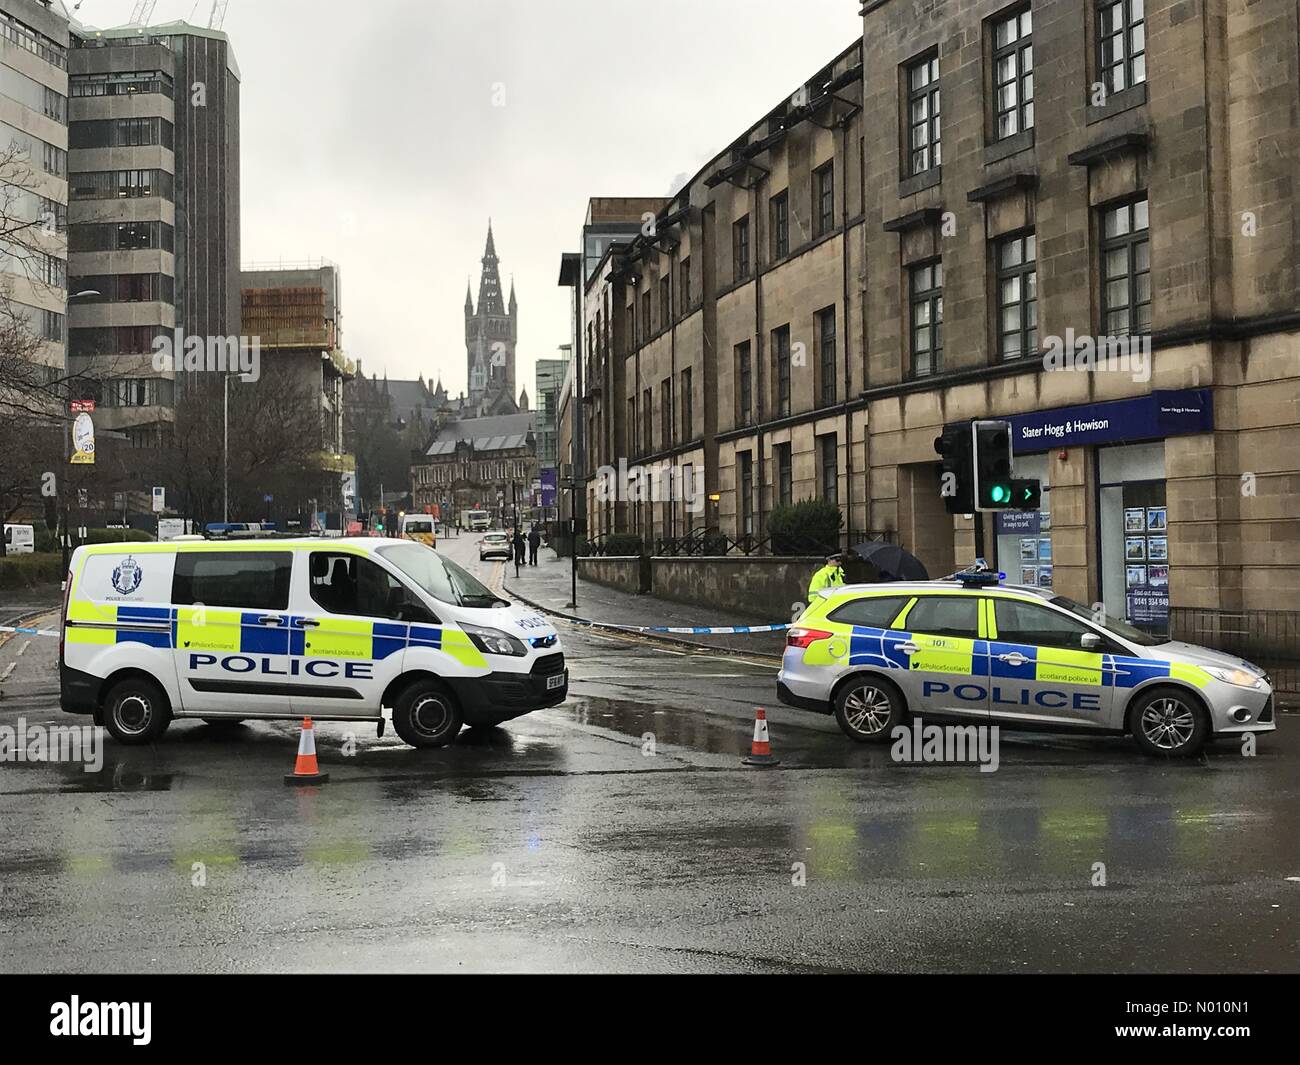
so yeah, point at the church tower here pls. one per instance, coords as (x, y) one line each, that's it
(491, 331)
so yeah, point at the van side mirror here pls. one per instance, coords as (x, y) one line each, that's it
(1090, 641)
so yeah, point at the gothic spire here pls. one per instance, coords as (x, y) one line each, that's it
(489, 286)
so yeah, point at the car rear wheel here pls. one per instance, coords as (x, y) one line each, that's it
(867, 709)
(1168, 723)
(136, 711)
(426, 715)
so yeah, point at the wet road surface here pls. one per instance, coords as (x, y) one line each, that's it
(619, 832)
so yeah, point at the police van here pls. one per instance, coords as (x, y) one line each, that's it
(978, 651)
(420, 528)
(336, 629)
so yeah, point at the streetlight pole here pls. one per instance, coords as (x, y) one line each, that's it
(67, 454)
(225, 448)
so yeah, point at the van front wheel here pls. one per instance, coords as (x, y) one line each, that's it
(136, 711)
(426, 715)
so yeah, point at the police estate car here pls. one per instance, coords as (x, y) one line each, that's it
(980, 651)
(335, 629)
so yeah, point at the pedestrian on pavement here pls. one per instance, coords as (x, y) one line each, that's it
(518, 545)
(830, 575)
(534, 543)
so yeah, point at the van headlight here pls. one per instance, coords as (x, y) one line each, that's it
(494, 641)
(1240, 677)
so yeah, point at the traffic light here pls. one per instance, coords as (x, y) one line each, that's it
(956, 471)
(1026, 493)
(992, 441)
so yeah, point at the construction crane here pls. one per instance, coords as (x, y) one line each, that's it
(218, 15)
(143, 12)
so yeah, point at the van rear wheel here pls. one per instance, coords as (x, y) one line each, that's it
(426, 715)
(136, 711)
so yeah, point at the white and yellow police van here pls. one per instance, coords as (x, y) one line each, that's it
(338, 629)
(420, 528)
(975, 650)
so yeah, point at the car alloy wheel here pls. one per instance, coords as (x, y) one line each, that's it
(1168, 723)
(867, 710)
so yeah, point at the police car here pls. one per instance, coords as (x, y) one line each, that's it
(979, 651)
(337, 629)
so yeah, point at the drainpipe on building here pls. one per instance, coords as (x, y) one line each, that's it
(848, 379)
(759, 354)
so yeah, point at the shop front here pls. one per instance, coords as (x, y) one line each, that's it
(1127, 536)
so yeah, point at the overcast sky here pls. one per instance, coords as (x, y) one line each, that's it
(370, 137)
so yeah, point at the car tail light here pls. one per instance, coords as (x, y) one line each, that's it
(801, 637)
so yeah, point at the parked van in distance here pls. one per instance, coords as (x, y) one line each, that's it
(20, 539)
(420, 528)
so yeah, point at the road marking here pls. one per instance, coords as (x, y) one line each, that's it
(23, 649)
(5, 675)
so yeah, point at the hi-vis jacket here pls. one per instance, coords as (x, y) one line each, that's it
(829, 576)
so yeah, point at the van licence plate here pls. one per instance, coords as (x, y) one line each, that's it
(556, 681)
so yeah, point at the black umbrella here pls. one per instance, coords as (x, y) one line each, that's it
(892, 561)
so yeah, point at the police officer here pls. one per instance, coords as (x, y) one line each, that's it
(534, 544)
(830, 575)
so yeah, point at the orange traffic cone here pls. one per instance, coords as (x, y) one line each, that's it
(760, 751)
(305, 770)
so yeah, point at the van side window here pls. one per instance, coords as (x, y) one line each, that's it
(349, 584)
(246, 580)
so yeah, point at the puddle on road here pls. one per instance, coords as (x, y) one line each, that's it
(115, 776)
(676, 727)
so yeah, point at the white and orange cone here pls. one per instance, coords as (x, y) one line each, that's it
(760, 751)
(305, 770)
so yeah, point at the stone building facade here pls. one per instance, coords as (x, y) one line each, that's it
(1076, 215)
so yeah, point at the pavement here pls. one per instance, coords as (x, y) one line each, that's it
(619, 832)
(548, 586)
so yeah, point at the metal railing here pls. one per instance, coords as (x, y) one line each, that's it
(1268, 638)
(713, 542)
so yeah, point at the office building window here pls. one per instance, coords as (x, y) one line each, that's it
(1013, 73)
(687, 402)
(923, 115)
(647, 422)
(745, 477)
(646, 326)
(665, 302)
(824, 199)
(1126, 269)
(666, 412)
(740, 248)
(781, 369)
(926, 289)
(828, 461)
(826, 368)
(684, 288)
(780, 224)
(1017, 287)
(1121, 43)
(745, 389)
(784, 474)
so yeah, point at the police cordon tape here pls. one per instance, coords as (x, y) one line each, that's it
(698, 630)
(716, 630)
(29, 632)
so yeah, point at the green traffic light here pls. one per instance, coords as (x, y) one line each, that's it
(1000, 493)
